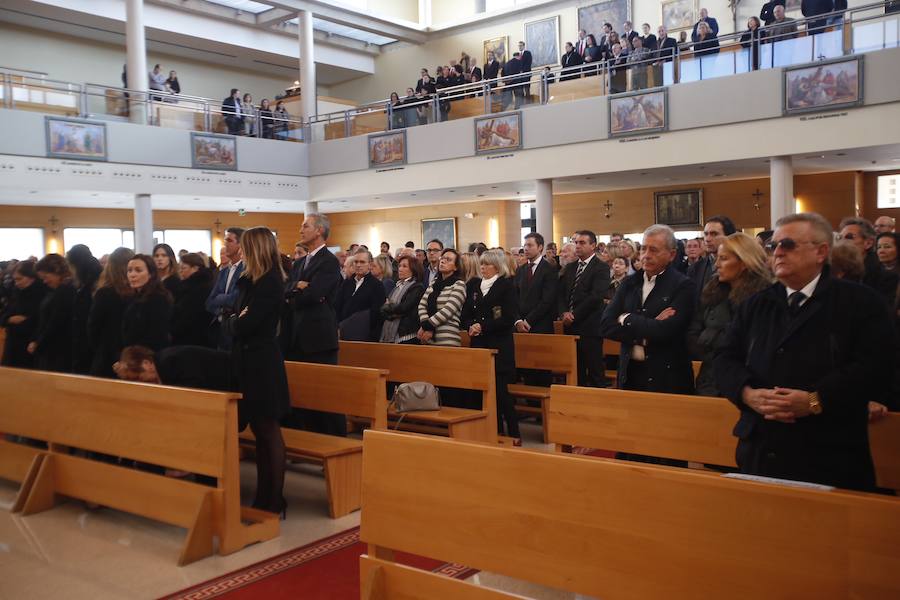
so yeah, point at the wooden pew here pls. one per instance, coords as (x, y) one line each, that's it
(179, 428)
(554, 353)
(692, 428)
(465, 368)
(612, 530)
(346, 390)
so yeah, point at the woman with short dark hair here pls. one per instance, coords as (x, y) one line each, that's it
(146, 320)
(401, 309)
(52, 341)
(441, 304)
(87, 271)
(190, 321)
(20, 317)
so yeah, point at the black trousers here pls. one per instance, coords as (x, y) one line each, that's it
(591, 371)
(316, 420)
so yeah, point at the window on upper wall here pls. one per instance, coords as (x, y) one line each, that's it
(887, 191)
(192, 240)
(528, 216)
(21, 242)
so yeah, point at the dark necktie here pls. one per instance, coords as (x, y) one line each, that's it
(794, 301)
(578, 272)
(530, 270)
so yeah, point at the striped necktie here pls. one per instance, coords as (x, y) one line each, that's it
(578, 272)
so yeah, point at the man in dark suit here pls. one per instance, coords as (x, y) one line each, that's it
(433, 251)
(666, 47)
(801, 361)
(526, 58)
(362, 293)
(570, 59)
(715, 231)
(650, 315)
(603, 42)
(628, 33)
(313, 337)
(233, 112)
(224, 296)
(492, 69)
(861, 233)
(537, 284)
(512, 90)
(812, 8)
(584, 284)
(713, 24)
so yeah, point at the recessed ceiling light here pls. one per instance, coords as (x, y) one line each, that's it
(33, 192)
(95, 195)
(493, 187)
(841, 154)
(701, 168)
(588, 178)
(482, 195)
(643, 172)
(451, 191)
(412, 194)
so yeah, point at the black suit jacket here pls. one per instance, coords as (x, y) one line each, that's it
(475, 74)
(667, 364)
(526, 59)
(571, 59)
(767, 12)
(537, 298)
(700, 272)
(630, 36)
(315, 325)
(667, 48)
(369, 297)
(228, 108)
(588, 296)
(496, 312)
(492, 70)
(840, 345)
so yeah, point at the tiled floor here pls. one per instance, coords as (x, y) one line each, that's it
(75, 553)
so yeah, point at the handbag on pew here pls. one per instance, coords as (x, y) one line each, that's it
(414, 396)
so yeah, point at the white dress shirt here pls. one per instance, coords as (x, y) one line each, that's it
(807, 290)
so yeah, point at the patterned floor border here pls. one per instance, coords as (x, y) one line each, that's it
(292, 558)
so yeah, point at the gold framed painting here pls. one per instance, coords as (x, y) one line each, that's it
(499, 46)
(678, 14)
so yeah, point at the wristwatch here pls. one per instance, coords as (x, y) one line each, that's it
(815, 405)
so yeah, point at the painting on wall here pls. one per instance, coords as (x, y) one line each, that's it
(682, 208)
(499, 46)
(643, 111)
(387, 149)
(70, 138)
(439, 229)
(498, 133)
(211, 151)
(825, 85)
(615, 12)
(678, 14)
(542, 40)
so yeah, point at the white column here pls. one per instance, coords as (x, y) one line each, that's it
(307, 66)
(137, 57)
(309, 207)
(143, 224)
(544, 209)
(859, 189)
(781, 187)
(425, 13)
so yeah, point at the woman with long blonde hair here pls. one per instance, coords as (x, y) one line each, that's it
(258, 364)
(742, 271)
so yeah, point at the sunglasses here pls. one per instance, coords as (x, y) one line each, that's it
(848, 236)
(787, 244)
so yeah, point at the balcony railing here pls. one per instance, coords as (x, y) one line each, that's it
(855, 31)
(26, 91)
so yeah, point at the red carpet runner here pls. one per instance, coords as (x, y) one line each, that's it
(327, 569)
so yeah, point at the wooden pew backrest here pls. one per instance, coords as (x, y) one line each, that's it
(617, 530)
(556, 353)
(692, 428)
(131, 420)
(353, 391)
(884, 442)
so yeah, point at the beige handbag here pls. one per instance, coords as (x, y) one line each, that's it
(416, 396)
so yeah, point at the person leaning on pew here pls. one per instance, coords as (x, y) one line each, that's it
(801, 360)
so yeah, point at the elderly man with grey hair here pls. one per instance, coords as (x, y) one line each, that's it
(885, 224)
(650, 315)
(801, 361)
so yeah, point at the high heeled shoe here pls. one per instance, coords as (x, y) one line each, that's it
(280, 509)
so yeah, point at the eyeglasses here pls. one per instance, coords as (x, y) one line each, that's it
(787, 244)
(848, 236)
(434, 249)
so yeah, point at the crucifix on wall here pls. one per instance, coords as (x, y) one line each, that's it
(608, 206)
(757, 195)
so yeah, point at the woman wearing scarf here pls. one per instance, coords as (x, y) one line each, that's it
(400, 311)
(441, 305)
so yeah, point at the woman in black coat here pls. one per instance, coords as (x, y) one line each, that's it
(190, 321)
(750, 40)
(166, 267)
(489, 313)
(258, 363)
(401, 309)
(707, 43)
(593, 55)
(146, 319)
(104, 327)
(87, 272)
(20, 318)
(52, 341)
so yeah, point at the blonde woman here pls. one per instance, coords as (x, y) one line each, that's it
(258, 364)
(383, 270)
(441, 305)
(489, 314)
(742, 270)
(469, 261)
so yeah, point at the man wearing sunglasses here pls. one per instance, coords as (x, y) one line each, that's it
(801, 361)
(862, 234)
